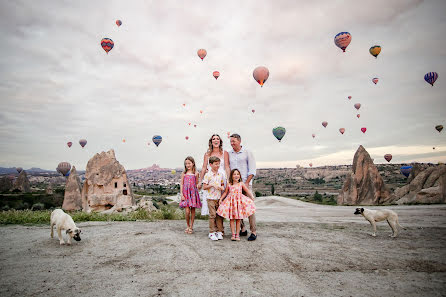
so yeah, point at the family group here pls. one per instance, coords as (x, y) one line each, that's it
(226, 183)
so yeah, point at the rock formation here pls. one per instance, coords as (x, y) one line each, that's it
(22, 183)
(106, 185)
(365, 185)
(425, 187)
(73, 188)
(5, 183)
(49, 189)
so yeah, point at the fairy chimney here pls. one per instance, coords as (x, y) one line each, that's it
(22, 183)
(72, 199)
(106, 185)
(365, 185)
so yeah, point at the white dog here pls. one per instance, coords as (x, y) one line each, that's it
(374, 216)
(63, 221)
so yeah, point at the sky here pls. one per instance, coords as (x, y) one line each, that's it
(57, 84)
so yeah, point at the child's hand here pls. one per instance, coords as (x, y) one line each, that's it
(199, 186)
(183, 198)
(221, 188)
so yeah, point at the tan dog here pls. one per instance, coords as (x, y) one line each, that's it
(64, 221)
(374, 216)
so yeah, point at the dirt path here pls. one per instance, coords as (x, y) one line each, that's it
(302, 250)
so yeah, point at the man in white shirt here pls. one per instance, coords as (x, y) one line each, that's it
(243, 160)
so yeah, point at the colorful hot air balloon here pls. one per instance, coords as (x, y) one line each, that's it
(279, 133)
(157, 139)
(439, 128)
(388, 157)
(148, 143)
(431, 77)
(184, 104)
(107, 44)
(363, 129)
(253, 111)
(201, 53)
(187, 137)
(349, 97)
(405, 170)
(216, 74)
(195, 126)
(357, 106)
(260, 75)
(375, 50)
(118, 22)
(358, 115)
(324, 124)
(123, 140)
(342, 130)
(311, 164)
(342, 40)
(201, 111)
(313, 135)
(64, 168)
(83, 142)
(173, 171)
(19, 169)
(69, 143)
(375, 80)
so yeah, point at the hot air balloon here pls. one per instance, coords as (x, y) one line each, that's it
(201, 53)
(433, 148)
(173, 171)
(358, 106)
(260, 75)
(363, 129)
(388, 157)
(342, 130)
(184, 104)
(216, 74)
(195, 126)
(405, 170)
(118, 22)
(107, 44)
(83, 142)
(19, 169)
(439, 128)
(157, 139)
(324, 124)
(342, 40)
(349, 97)
(311, 164)
(69, 143)
(375, 80)
(189, 124)
(123, 140)
(201, 111)
(187, 137)
(229, 133)
(279, 133)
(431, 77)
(148, 143)
(313, 135)
(253, 111)
(64, 167)
(358, 115)
(375, 50)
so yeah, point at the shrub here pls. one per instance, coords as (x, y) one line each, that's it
(317, 197)
(38, 206)
(258, 194)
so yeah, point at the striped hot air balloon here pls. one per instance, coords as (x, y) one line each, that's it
(363, 129)
(279, 133)
(107, 44)
(375, 80)
(83, 142)
(375, 50)
(357, 106)
(342, 40)
(260, 75)
(431, 77)
(324, 123)
(157, 140)
(118, 22)
(388, 157)
(69, 143)
(405, 170)
(64, 168)
(202, 53)
(216, 74)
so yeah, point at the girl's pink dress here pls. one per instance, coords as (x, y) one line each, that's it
(236, 205)
(190, 192)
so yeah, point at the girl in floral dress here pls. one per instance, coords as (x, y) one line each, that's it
(234, 205)
(190, 199)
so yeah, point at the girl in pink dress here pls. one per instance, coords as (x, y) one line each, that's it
(234, 205)
(190, 199)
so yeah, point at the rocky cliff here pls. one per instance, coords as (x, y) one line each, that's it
(73, 188)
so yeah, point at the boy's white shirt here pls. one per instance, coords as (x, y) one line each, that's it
(213, 176)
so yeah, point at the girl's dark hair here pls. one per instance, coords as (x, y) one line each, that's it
(193, 162)
(211, 146)
(231, 181)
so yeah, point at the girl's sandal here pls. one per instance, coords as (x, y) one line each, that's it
(191, 230)
(237, 237)
(187, 231)
(233, 237)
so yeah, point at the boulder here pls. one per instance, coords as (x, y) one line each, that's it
(22, 183)
(427, 186)
(106, 186)
(365, 185)
(72, 199)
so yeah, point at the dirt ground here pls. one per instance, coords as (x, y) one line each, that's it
(302, 250)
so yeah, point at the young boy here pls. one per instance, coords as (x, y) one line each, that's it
(213, 183)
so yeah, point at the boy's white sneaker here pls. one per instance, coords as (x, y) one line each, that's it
(219, 235)
(212, 236)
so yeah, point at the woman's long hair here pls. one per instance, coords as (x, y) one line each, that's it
(193, 162)
(211, 147)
